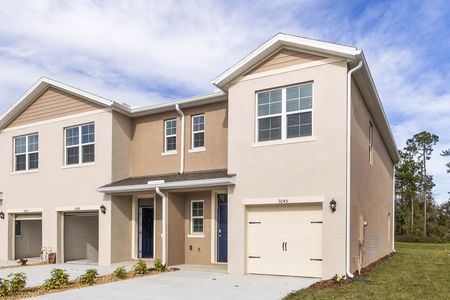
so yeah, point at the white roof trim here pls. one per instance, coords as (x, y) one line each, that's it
(278, 41)
(168, 185)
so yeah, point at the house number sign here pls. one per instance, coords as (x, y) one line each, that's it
(283, 200)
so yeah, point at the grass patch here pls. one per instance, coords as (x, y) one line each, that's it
(416, 271)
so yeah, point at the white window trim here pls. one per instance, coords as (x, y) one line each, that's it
(169, 152)
(80, 147)
(26, 153)
(370, 142)
(284, 113)
(201, 148)
(192, 233)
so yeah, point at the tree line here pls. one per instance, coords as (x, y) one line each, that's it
(417, 215)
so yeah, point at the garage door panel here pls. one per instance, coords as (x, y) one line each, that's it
(81, 237)
(298, 227)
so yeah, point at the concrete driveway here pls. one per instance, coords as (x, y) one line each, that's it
(191, 285)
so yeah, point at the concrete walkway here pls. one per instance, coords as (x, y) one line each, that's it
(38, 274)
(186, 284)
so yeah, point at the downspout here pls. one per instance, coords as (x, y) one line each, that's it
(177, 107)
(348, 173)
(393, 209)
(164, 224)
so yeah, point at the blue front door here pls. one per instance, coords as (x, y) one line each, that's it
(146, 232)
(222, 228)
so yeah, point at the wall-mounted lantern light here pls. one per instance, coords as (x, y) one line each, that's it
(333, 205)
(103, 209)
(2, 215)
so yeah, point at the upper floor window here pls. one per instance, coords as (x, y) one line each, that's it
(198, 131)
(370, 141)
(26, 152)
(284, 113)
(170, 139)
(80, 144)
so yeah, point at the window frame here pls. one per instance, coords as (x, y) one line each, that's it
(284, 114)
(170, 135)
(370, 142)
(192, 217)
(79, 145)
(199, 131)
(26, 153)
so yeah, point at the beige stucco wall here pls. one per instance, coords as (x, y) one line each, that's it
(55, 185)
(148, 142)
(175, 230)
(121, 221)
(121, 146)
(371, 186)
(301, 169)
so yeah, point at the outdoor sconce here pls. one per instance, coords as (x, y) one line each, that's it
(2, 215)
(103, 209)
(333, 205)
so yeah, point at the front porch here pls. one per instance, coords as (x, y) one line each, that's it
(184, 225)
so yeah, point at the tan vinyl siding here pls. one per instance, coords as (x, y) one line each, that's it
(53, 103)
(285, 58)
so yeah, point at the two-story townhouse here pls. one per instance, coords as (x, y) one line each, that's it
(288, 170)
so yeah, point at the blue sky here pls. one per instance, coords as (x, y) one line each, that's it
(144, 52)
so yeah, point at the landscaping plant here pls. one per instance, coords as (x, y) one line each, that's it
(140, 268)
(88, 278)
(159, 267)
(17, 282)
(59, 278)
(4, 287)
(120, 273)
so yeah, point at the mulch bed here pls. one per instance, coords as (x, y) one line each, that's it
(365, 272)
(39, 291)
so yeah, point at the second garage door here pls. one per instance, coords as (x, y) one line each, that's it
(285, 240)
(81, 236)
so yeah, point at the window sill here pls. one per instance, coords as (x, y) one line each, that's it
(199, 149)
(25, 172)
(169, 153)
(287, 141)
(78, 166)
(196, 236)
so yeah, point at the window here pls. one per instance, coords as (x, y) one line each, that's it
(170, 131)
(18, 228)
(370, 141)
(80, 144)
(284, 113)
(198, 131)
(197, 217)
(26, 152)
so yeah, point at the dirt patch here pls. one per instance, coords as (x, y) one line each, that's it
(365, 272)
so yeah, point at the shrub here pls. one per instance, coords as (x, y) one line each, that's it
(88, 278)
(337, 278)
(140, 268)
(59, 278)
(120, 273)
(411, 238)
(17, 282)
(159, 267)
(4, 287)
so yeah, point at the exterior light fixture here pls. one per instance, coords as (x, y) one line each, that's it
(333, 205)
(103, 209)
(2, 215)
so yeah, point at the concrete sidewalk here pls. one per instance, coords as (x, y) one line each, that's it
(185, 284)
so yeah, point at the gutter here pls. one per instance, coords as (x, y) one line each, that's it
(172, 185)
(164, 224)
(348, 166)
(180, 112)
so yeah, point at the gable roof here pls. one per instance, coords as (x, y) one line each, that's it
(353, 55)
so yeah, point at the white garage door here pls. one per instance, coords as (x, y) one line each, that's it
(81, 236)
(285, 240)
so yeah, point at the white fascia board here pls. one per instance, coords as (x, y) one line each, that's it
(284, 40)
(168, 185)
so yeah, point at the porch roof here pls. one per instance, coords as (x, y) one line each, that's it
(172, 181)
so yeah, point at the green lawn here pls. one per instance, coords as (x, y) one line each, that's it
(417, 271)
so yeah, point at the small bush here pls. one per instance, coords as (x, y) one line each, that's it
(88, 278)
(337, 278)
(4, 287)
(411, 238)
(17, 282)
(59, 278)
(159, 267)
(120, 273)
(140, 268)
